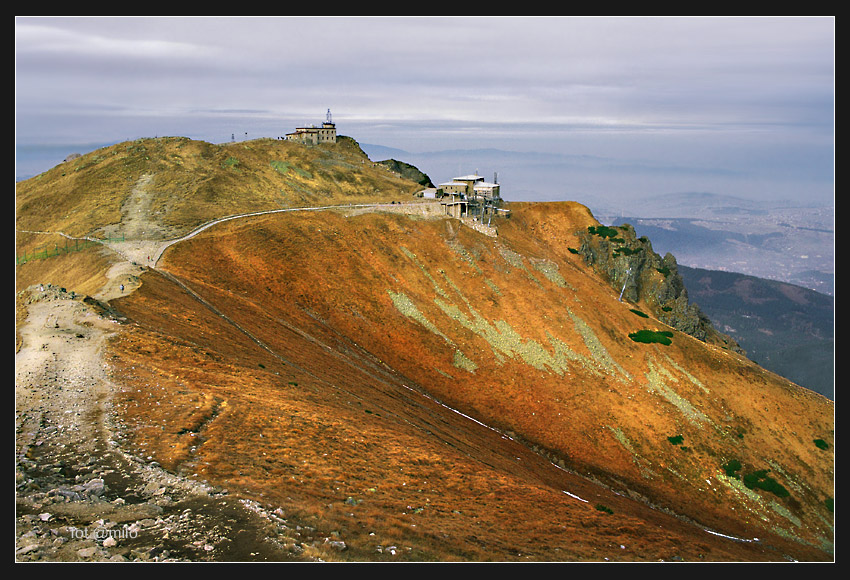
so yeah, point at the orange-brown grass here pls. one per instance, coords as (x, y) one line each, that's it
(288, 373)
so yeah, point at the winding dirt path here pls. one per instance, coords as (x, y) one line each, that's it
(79, 496)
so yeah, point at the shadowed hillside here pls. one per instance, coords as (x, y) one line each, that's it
(785, 328)
(418, 390)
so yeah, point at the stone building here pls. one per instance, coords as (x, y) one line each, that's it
(472, 187)
(314, 135)
(469, 195)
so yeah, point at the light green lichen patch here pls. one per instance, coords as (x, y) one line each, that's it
(478, 325)
(597, 351)
(437, 288)
(658, 378)
(688, 375)
(467, 256)
(552, 272)
(493, 286)
(517, 261)
(461, 361)
(406, 306)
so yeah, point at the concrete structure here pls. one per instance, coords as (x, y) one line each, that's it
(454, 205)
(470, 196)
(314, 135)
(472, 187)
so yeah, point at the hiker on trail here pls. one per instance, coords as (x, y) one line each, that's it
(122, 287)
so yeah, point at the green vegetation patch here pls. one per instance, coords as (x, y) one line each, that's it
(761, 480)
(650, 336)
(626, 251)
(821, 444)
(758, 479)
(639, 313)
(732, 468)
(603, 231)
(604, 508)
(281, 167)
(676, 440)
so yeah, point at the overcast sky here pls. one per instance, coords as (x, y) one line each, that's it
(749, 97)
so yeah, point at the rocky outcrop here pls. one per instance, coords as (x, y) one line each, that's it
(642, 276)
(407, 171)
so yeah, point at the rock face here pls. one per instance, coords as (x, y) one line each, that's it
(642, 276)
(407, 171)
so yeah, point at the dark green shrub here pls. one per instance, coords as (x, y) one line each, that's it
(603, 508)
(821, 444)
(639, 313)
(761, 480)
(676, 440)
(627, 251)
(650, 336)
(602, 231)
(732, 468)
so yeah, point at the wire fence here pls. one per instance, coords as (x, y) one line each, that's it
(52, 250)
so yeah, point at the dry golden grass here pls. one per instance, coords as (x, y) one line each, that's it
(193, 182)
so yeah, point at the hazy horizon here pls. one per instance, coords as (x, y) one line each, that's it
(612, 108)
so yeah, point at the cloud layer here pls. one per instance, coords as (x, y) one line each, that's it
(633, 88)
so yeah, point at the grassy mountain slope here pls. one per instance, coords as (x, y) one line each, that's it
(188, 183)
(359, 313)
(427, 392)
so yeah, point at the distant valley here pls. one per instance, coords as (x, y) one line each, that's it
(794, 245)
(785, 328)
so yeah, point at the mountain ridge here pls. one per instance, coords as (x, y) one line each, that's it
(403, 381)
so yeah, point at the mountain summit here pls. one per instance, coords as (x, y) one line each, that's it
(395, 385)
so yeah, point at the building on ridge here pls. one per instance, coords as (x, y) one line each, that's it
(470, 196)
(314, 135)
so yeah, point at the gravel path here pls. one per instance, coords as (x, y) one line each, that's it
(79, 496)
